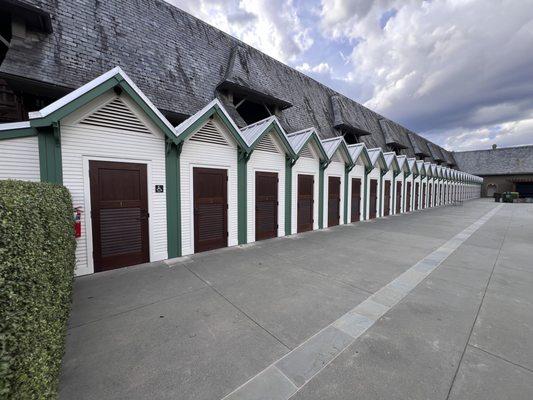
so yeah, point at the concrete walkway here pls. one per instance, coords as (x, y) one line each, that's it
(203, 327)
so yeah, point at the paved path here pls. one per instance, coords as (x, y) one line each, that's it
(457, 326)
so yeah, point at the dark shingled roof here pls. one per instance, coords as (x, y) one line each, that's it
(182, 63)
(502, 161)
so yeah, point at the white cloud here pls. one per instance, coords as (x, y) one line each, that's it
(272, 26)
(507, 134)
(449, 65)
(322, 68)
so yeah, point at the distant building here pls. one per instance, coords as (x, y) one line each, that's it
(502, 169)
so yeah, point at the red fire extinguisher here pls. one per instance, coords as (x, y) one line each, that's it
(77, 222)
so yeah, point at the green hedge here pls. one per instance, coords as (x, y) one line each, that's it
(36, 270)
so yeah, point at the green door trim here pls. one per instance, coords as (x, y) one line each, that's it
(242, 198)
(173, 196)
(289, 163)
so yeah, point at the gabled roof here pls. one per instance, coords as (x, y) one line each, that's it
(116, 77)
(299, 139)
(392, 162)
(394, 134)
(195, 121)
(436, 152)
(434, 170)
(428, 168)
(439, 171)
(252, 134)
(499, 161)
(334, 144)
(358, 150)
(376, 157)
(421, 167)
(413, 166)
(403, 163)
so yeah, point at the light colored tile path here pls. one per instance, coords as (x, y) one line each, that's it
(289, 374)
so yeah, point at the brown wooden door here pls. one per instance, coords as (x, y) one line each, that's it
(417, 185)
(119, 214)
(305, 203)
(386, 199)
(373, 199)
(210, 208)
(408, 197)
(423, 195)
(334, 200)
(266, 205)
(430, 196)
(398, 197)
(356, 200)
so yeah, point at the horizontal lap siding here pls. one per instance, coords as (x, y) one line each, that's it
(19, 159)
(201, 154)
(358, 171)
(334, 169)
(268, 162)
(304, 166)
(79, 142)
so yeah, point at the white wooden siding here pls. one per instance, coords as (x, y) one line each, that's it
(207, 155)
(271, 159)
(81, 143)
(19, 159)
(305, 166)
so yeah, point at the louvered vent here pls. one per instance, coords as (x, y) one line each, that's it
(306, 152)
(209, 134)
(336, 157)
(267, 144)
(116, 115)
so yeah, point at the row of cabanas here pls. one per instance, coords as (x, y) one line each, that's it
(206, 183)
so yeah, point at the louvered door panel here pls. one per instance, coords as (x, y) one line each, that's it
(423, 195)
(386, 199)
(408, 197)
(210, 209)
(430, 196)
(305, 203)
(266, 205)
(356, 200)
(416, 194)
(373, 199)
(334, 199)
(119, 209)
(398, 197)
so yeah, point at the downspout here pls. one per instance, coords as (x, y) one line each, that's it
(173, 197)
(347, 170)
(365, 194)
(381, 175)
(323, 166)
(394, 192)
(289, 163)
(242, 184)
(50, 163)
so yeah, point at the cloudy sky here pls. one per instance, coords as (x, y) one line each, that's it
(460, 72)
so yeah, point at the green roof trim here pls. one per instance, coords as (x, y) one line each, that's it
(274, 125)
(211, 112)
(116, 80)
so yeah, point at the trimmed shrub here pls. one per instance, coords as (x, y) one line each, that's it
(36, 271)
